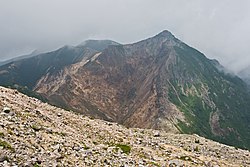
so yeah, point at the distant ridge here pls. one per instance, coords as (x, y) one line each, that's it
(33, 53)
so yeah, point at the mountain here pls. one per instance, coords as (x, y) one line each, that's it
(33, 133)
(158, 83)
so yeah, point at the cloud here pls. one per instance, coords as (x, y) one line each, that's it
(220, 29)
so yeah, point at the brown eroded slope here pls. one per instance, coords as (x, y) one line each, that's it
(121, 84)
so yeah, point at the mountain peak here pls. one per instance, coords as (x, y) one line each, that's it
(165, 34)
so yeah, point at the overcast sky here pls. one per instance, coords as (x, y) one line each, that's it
(218, 28)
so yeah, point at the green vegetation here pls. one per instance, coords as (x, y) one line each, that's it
(6, 145)
(5, 158)
(9, 131)
(85, 147)
(36, 127)
(196, 113)
(154, 163)
(36, 165)
(125, 148)
(199, 89)
(1, 134)
(196, 149)
(60, 133)
(186, 158)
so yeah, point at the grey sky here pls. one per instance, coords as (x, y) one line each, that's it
(220, 29)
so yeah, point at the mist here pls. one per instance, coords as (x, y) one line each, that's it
(219, 29)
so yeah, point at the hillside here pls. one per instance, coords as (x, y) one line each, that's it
(28, 71)
(158, 83)
(33, 133)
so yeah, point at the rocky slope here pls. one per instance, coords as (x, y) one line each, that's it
(33, 133)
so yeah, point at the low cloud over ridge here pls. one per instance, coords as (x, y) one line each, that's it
(220, 29)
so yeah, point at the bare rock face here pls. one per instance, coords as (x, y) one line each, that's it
(38, 134)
